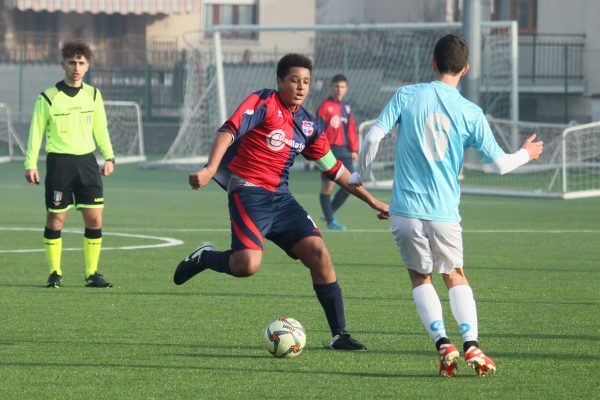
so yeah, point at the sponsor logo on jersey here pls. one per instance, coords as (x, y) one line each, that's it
(279, 114)
(276, 141)
(308, 127)
(335, 121)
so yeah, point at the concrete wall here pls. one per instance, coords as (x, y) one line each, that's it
(576, 16)
(381, 11)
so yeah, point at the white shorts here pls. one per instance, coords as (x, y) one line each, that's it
(426, 246)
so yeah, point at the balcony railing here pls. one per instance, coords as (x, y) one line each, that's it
(551, 59)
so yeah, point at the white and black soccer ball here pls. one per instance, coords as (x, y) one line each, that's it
(285, 337)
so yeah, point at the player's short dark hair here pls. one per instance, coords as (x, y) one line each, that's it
(339, 78)
(76, 48)
(451, 54)
(290, 61)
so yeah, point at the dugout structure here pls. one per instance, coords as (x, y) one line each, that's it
(228, 63)
(124, 126)
(569, 167)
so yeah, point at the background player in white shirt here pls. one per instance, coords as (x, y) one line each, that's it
(436, 125)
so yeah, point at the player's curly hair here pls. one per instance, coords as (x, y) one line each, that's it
(76, 48)
(451, 54)
(290, 61)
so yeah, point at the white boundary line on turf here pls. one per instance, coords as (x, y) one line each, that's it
(492, 231)
(167, 241)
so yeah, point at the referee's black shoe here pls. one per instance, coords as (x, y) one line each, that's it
(191, 265)
(97, 280)
(343, 341)
(54, 280)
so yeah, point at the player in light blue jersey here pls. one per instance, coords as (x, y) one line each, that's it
(436, 125)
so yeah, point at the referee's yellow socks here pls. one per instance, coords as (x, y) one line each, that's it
(53, 248)
(92, 243)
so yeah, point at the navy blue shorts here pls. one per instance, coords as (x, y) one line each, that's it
(344, 155)
(257, 213)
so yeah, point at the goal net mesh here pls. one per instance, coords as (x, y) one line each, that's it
(376, 59)
(568, 168)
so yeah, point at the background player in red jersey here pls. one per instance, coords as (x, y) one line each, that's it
(251, 157)
(341, 133)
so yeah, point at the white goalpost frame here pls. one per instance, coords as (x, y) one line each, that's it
(134, 150)
(566, 161)
(217, 63)
(125, 130)
(560, 159)
(11, 138)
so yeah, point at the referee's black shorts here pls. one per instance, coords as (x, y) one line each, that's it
(73, 180)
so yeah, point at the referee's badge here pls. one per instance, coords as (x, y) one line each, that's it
(57, 198)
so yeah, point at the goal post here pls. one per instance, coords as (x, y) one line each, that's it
(569, 167)
(10, 144)
(221, 70)
(126, 130)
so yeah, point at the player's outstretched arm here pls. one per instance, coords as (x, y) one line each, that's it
(362, 193)
(202, 177)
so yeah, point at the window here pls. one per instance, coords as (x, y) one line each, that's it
(231, 13)
(523, 11)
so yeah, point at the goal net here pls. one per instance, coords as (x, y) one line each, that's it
(124, 126)
(125, 129)
(10, 144)
(222, 70)
(568, 168)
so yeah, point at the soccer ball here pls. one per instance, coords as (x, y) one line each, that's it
(285, 337)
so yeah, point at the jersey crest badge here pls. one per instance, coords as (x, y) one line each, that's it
(308, 127)
(348, 109)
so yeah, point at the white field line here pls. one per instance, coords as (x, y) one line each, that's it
(166, 241)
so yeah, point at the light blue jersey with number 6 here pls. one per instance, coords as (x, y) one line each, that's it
(436, 125)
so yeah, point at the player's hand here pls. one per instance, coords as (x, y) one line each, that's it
(383, 208)
(535, 149)
(354, 156)
(32, 176)
(108, 168)
(200, 178)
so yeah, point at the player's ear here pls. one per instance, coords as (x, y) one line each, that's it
(434, 65)
(465, 69)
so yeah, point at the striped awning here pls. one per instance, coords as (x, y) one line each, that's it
(108, 6)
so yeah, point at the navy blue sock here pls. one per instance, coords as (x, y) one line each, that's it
(330, 297)
(340, 197)
(216, 260)
(325, 200)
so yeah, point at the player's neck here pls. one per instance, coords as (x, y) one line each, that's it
(450, 80)
(72, 83)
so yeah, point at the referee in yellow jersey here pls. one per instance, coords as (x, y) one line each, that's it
(72, 115)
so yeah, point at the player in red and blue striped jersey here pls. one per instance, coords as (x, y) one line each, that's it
(341, 133)
(251, 157)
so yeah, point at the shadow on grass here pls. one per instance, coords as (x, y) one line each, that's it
(213, 368)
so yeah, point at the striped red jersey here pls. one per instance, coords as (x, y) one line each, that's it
(267, 137)
(338, 120)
